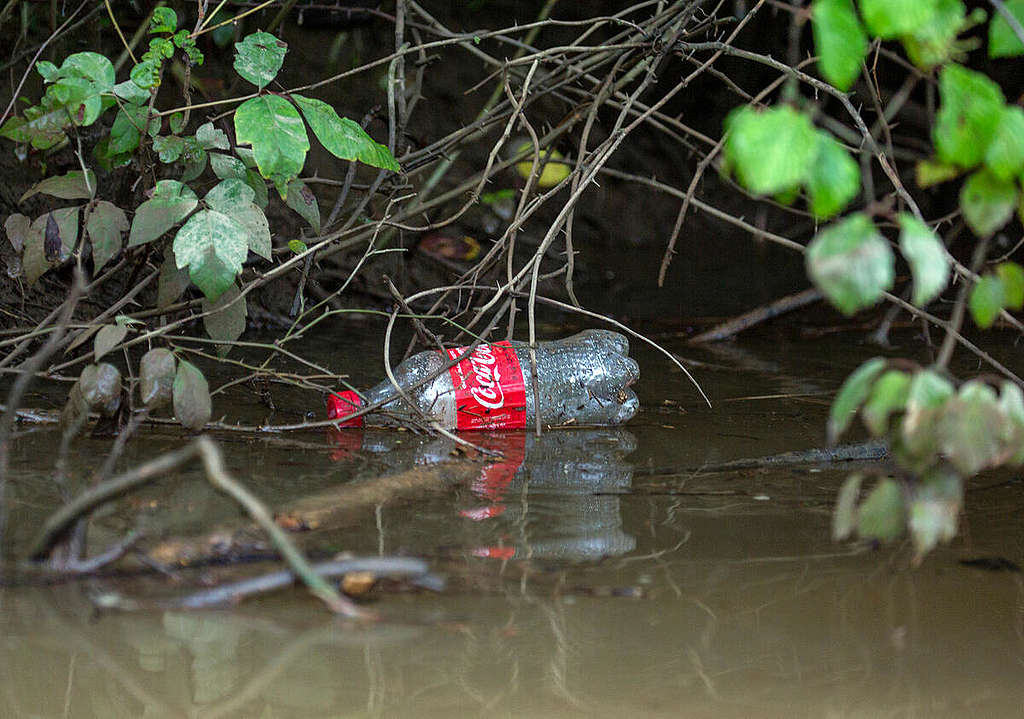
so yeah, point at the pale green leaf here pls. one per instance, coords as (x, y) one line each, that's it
(851, 263)
(851, 396)
(75, 185)
(259, 57)
(844, 518)
(168, 148)
(929, 262)
(987, 202)
(234, 197)
(883, 513)
(935, 510)
(225, 166)
(970, 427)
(212, 138)
(170, 203)
(213, 246)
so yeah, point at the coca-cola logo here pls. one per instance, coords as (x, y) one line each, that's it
(488, 391)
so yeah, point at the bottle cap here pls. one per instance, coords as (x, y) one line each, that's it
(341, 405)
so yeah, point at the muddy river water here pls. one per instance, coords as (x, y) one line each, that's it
(592, 573)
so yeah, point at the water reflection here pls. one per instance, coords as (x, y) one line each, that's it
(550, 497)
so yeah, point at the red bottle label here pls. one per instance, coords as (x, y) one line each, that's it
(489, 389)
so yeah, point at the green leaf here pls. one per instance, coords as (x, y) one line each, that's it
(851, 263)
(91, 66)
(882, 514)
(1011, 402)
(1002, 40)
(247, 156)
(225, 166)
(972, 107)
(146, 74)
(933, 172)
(935, 510)
(274, 129)
(211, 138)
(108, 338)
(226, 321)
(888, 395)
(213, 247)
(987, 300)
(889, 19)
(772, 151)
(342, 137)
(926, 397)
(234, 198)
(834, 178)
(851, 395)
(105, 224)
(191, 396)
(131, 93)
(1012, 276)
(297, 246)
(72, 186)
(168, 147)
(935, 42)
(127, 129)
(844, 518)
(259, 58)
(1005, 154)
(927, 257)
(193, 160)
(303, 201)
(171, 283)
(969, 429)
(839, 40)
(163, 19)
(156, 377)
(987, 202)
(170, 203)
(259, 187)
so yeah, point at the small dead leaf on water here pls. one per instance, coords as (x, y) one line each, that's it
(358, 584)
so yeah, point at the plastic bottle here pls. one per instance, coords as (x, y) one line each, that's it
(583, 380)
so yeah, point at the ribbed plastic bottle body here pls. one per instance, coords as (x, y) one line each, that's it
(581, 380)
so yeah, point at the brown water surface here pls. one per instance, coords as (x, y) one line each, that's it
(595, 573)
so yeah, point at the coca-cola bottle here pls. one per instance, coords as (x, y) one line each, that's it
(583, 380)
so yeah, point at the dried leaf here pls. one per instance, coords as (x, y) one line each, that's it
(108, 338)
